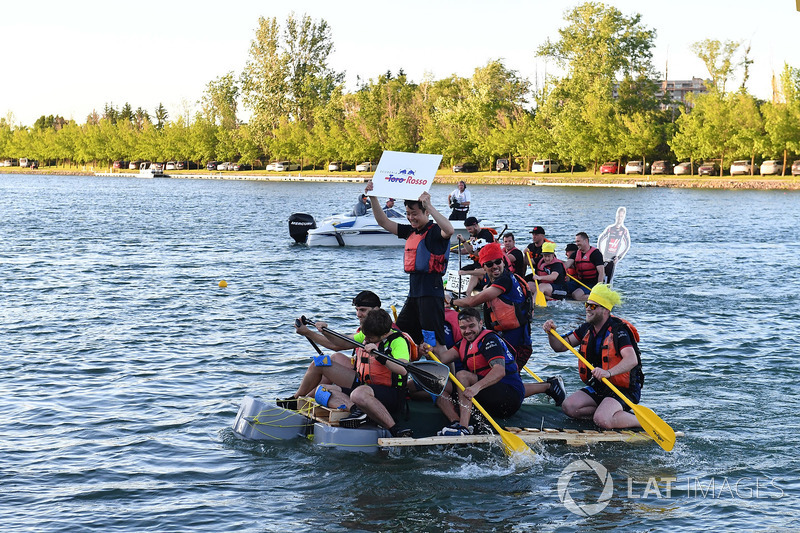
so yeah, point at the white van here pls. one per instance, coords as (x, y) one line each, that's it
(545, 165)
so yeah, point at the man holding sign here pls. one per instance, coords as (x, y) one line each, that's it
(425, 259)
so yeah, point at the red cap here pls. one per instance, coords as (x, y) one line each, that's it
(490, 252)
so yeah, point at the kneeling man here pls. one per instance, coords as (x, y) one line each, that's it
(486, 368)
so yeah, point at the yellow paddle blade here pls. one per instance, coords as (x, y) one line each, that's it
(661, 432)
(541, 301)
(514, 446)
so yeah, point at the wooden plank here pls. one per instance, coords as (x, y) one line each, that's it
(572, 437)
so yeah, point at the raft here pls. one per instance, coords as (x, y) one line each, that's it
(533, 423)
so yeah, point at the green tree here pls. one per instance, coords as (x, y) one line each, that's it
(161, 116)
(220, 101)
(719, 60)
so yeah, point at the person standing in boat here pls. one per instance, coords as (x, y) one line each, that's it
(486, 368)
(589, 265)
(610, 344)
(425, 258)
(507, 311)
(459, 201)
(551, 274)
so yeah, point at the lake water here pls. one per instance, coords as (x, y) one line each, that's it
(124, 363)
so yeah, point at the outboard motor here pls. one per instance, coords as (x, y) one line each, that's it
(299, 224)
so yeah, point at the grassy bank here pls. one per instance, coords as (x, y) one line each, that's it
(487, 178)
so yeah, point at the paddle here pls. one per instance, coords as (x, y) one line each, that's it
(579, 282)
(429, 375)
(661, 432)
(529, 371)
(512, 444)
(394, 312)
(540, 300)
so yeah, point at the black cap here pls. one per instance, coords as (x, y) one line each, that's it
(572, 247)
(366, 299)
(537, 230)
(470, 221)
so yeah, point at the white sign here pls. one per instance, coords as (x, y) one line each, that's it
(404, 175)
(453, 280)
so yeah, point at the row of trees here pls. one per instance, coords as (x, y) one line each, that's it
(606, 106)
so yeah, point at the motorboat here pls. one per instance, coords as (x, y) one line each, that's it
(349, 230)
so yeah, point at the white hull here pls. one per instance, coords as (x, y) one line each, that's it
(346, 230)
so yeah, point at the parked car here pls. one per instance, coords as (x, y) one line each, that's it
(796, 168)
(283, 166)
(23, 162)
(170, 165)
(224, 166)
(465, 167)
(708, 169)
(636, 167)
(742, 167)
(238, 167)
(366, 166)
(503, 164)
(180, 165)
(335, 166)
(211, 165)
(771, 166)
(611, 167)
(684, 169)
(134, 165)
(661, 167)
(6, 163)
(545, 165)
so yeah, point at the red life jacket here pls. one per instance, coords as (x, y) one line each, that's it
(587, 271)
(371, 372)
(610, 356)
(451, 317)
(540, 269)
(417, 258)
(473, 359)
(510, 311)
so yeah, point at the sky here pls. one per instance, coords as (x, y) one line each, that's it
(68, 58)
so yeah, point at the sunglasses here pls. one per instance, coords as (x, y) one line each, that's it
(489, 264)
(591, 307)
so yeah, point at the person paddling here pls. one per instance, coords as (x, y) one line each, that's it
(610, 344)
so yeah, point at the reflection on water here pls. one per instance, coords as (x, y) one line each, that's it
(126, 362)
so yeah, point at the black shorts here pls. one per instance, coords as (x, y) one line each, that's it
(422, 312)
(391, 397)
(523, 353)
(598, 393)
(501, 400)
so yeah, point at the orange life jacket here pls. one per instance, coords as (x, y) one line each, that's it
(510, 311)
(417, 258)
(610, 356)
(587, 271)
(371, 372)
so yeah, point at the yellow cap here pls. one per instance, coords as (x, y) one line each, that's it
(603, 295)
(549, 248)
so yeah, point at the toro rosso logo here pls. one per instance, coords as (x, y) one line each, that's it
(405, 176)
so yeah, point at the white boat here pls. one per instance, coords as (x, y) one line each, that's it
(151, 170)
(348, 230)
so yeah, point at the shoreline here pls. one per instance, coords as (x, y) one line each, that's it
(560, 179)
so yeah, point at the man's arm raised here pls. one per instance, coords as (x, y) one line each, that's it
(380, 216)
(440, 219)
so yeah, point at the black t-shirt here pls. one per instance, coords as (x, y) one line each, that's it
(558, 268)
(519, 265)
(426, 284)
